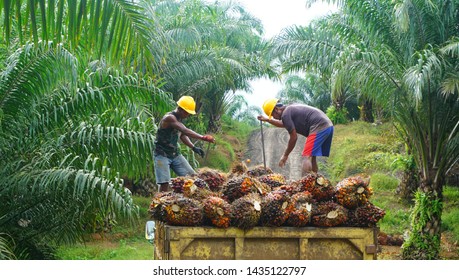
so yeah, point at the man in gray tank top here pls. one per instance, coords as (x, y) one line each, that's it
(305, 120)
(167, 154)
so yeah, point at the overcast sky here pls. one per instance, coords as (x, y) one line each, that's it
(275, 16)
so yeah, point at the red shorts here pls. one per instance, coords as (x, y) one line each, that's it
(318, 144)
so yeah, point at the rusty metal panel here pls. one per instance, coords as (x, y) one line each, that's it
(259, 243)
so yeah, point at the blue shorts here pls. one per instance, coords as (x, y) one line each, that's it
(163, 166)
(318, 144)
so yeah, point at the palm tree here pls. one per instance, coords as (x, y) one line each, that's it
(116, 30)
(310, 89)
(214, 50)
(404, 56)
(67, 131)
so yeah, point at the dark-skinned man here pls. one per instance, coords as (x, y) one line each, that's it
(167, 153)
(305, 120)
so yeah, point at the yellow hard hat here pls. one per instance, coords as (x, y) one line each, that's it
(269, 105)
(187, 103)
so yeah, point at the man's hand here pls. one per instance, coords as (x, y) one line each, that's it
(262, 118)
(282, 161)
(208, 138)
(199, 151)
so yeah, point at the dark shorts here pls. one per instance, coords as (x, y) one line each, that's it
(318, 144)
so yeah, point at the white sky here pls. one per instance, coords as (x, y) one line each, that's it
(275, 16)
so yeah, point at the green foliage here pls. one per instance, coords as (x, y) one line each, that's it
(450, 214)
(337, 116)
(6, 251)
(360, 147)
(423, 242)
(397, 215)
(381, 181)
(123, 249)
(65, 138)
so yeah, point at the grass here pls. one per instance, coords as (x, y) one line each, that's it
(124, 242)
(358, 149)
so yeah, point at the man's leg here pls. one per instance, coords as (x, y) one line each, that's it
(181, 166)
(315, 168)
(307, 166)
(162, 173)
(164, 187)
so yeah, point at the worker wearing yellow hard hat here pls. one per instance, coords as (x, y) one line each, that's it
(301, 119)
(268, 106)
(167, 153)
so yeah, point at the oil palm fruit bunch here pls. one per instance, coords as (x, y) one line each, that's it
(184, 211)
(246, 211)
(306, 183)
(368, 215)
(190, 190)
(274, 208)
(238, 169)
(353, 192)
(273, 180)
(288, 188)
(329, 214)
(213, 178)
(319, 186)
(234, 189)
(239, 186)
(218, 211)
(200, 183)
(158, 203)
(258, 171)
(177, 183)
(300, 209)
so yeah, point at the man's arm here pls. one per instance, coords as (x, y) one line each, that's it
(289, 149)
(185, 133)
(274, 122)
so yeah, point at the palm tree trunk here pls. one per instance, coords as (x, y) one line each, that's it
(424, 240)
(366, 111)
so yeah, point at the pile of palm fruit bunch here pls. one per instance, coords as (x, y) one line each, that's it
(250, 197)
